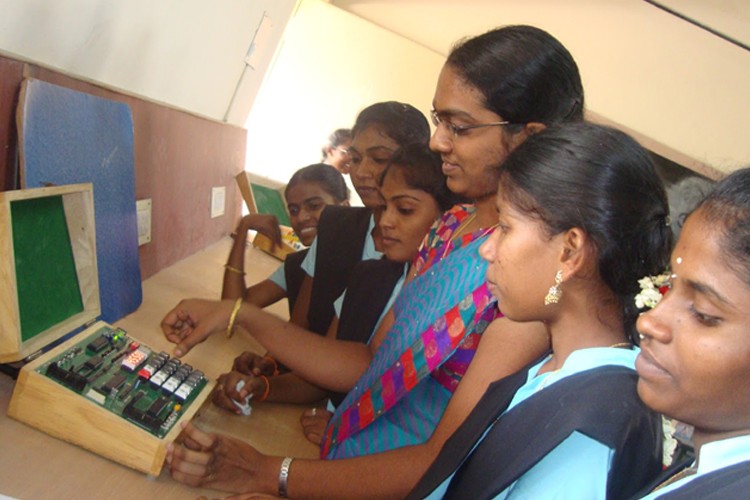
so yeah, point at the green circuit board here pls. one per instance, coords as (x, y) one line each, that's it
(127, 378)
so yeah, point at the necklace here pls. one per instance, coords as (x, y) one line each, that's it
(449, 244)
(689, 471)
(624, 345)
(462, 227)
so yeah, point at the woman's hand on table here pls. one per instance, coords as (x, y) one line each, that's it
(226, 391)
(193, 320)
(215, 461)
(314, 423)
(251, 363)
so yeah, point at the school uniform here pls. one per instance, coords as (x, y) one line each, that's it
(578, 432)
(344, 238)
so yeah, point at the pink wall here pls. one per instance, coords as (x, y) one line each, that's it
(179, 157)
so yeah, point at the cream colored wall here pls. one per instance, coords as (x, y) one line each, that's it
(679, 89)
(185, 53)
(331, 65)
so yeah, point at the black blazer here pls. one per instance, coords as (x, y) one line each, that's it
(370, 286)
(341, 238)
(294, 275)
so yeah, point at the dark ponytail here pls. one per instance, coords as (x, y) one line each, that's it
(600, 180)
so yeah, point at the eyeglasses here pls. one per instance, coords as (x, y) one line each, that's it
(341, 150)
(459, 130)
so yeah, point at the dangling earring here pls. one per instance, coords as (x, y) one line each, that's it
(555, 292)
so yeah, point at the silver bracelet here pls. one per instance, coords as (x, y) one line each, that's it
(284, 476)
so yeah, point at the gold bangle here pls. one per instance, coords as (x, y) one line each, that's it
(233, 317)
(234, 270)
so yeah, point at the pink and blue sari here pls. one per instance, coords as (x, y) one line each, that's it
(439, 318)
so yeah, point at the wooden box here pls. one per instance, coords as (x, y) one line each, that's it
(266, 196)
(32, 223)
(40, 298)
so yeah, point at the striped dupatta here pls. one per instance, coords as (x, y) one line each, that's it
(439, 317)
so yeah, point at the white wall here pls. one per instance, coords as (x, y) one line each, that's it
(331, 65)
(185, 53)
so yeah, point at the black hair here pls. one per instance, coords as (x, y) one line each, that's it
(728, 208)
(337, 138)
(524, 73)
(403, 123)
(600, 180)
(422, 169)
(326, 176)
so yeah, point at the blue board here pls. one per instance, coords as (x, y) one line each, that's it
(69, 137)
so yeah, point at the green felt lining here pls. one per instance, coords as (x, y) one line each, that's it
(48, 289)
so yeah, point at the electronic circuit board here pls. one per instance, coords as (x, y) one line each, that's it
(127, 378)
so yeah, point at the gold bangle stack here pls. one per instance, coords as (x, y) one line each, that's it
(233, 317)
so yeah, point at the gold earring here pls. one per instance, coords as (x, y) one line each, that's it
(555, 292)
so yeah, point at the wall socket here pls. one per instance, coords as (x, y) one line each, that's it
(143, 209)
(218, 198)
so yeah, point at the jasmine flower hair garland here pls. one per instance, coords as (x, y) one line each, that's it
(653, 289)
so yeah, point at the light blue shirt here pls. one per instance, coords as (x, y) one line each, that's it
(559, 474)
(279, 277)
(713, 456)
(368, 251)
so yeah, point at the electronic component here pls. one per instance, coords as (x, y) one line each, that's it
(127, 378)
(154, 363)
(113, 384)
(158, 378)
(67, 377)
(176, 379)
(195, 379)
(136, 357)
(98, 344)
(93, 363)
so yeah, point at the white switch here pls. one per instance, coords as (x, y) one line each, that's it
(143, 209)
(218, 195)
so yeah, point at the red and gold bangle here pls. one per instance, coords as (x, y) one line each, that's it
(275, 364)
(268, 388)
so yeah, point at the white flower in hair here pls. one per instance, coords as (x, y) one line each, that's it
(668, 427)
(652, 290)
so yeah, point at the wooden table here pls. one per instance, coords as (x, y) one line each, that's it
(34, 465)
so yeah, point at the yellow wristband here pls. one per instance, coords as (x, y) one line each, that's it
(234, 270)
(233, 317)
